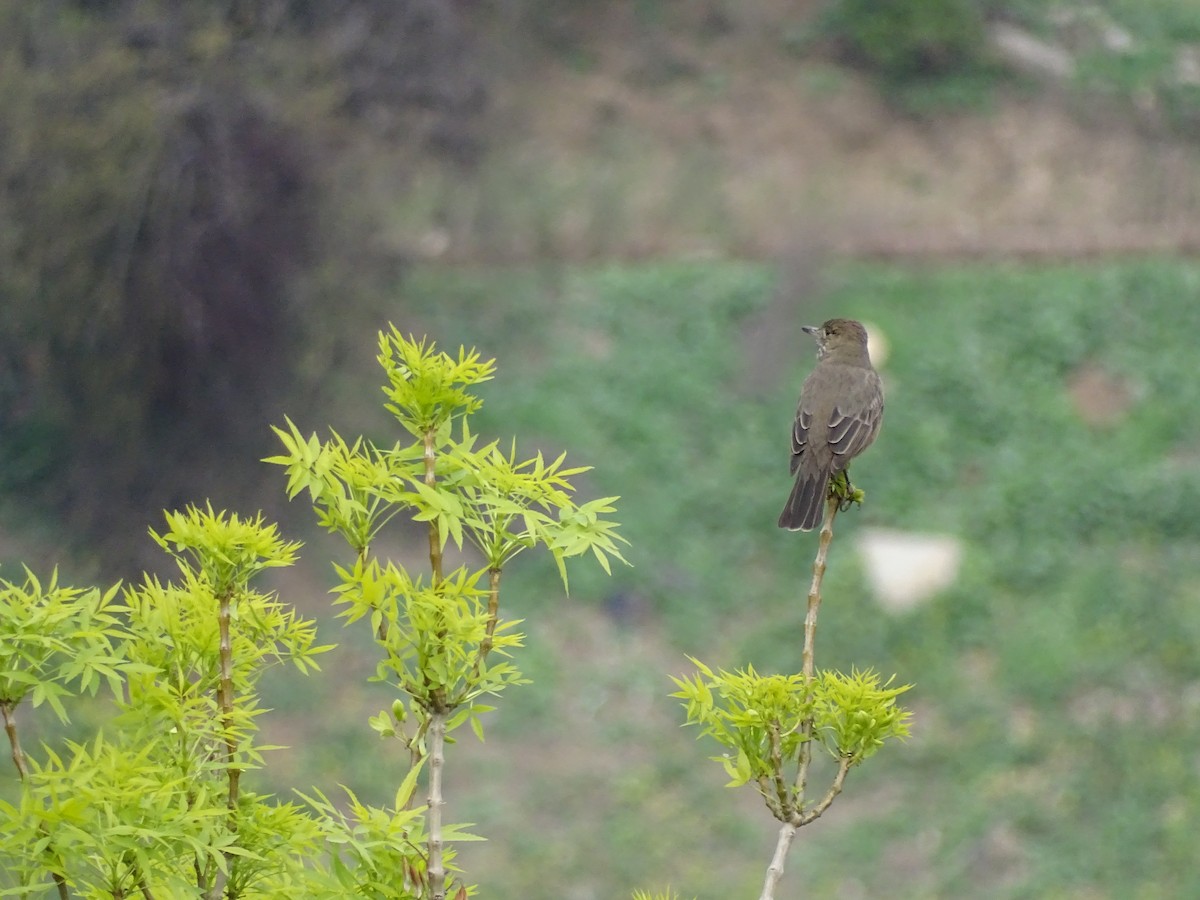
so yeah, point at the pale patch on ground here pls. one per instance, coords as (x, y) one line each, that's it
(905, 569)
(1101, 398)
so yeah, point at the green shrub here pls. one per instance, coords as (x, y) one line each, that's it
(903, 39)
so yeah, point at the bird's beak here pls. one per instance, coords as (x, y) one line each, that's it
(810, 329)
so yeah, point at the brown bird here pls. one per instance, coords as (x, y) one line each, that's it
(841, 406)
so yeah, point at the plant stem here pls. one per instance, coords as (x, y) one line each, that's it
(810, 636)
(493, 610)
(839, 781)
(225, 700)
(814, 590)
(8, 709)
(10, 728)
(485, 646)
(783, 801)
(139, 877)
(787, 831)
(436, 869)
(435, 537)
(796, 814)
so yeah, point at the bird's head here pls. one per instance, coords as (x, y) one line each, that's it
(836, 335)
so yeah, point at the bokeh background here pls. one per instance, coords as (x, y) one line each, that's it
(208, 209)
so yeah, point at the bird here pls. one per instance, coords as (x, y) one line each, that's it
(837, 418)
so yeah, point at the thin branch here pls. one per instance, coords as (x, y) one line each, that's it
(201, 874)
(485, 646)
(10, 728)
(844, 764)
(493, 610)
(435, 537)
(139, 876)
(225, 700)
(797, 817)
(810, 636)
(436, 869)
(775, 870)
(18, 757)
(766, 787)
(781, 793)
(814, 590)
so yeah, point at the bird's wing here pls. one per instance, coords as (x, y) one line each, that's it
(800, 436)
(851, 433)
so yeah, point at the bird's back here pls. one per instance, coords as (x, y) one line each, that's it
(833, 391)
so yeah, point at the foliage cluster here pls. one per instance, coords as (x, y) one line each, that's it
(761, 717)
(151, 804)
(155, 803)
(905, 41)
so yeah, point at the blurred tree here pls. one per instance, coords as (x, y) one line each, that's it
(151, 223)
(163, 171)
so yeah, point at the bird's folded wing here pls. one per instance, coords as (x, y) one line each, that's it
(800, 436)
(850, 433)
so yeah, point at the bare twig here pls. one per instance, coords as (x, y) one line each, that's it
(814, 590)
(810, 635)
(794, 809)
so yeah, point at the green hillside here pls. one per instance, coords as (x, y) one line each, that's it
(1055, 682)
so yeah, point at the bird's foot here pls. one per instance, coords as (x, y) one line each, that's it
(844, 492)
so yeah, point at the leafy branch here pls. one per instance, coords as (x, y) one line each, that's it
(768, 724)
(442, 642)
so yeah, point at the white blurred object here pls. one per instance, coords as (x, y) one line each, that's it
(877, 344)
(1029, 53)
(904, 569)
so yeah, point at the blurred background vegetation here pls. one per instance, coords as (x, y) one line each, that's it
(207, 209)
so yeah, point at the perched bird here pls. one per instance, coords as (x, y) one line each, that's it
(841, 406)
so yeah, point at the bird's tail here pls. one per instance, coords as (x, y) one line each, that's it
(804, 506)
